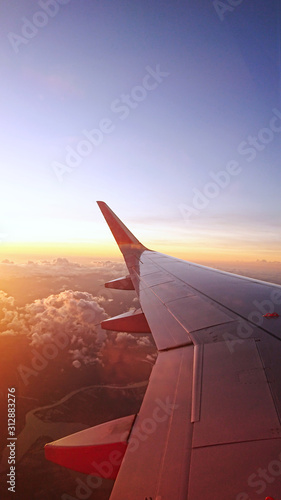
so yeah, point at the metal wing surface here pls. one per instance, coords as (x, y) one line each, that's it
(209, 425)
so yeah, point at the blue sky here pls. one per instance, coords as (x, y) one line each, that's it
(68, 66)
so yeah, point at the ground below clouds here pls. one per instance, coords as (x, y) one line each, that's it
(53, 349)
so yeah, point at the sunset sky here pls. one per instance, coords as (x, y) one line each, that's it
(170, 94)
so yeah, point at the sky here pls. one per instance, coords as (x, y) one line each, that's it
(168, 111)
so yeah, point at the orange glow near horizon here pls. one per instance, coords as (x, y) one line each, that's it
(24, 251)
(37, 251)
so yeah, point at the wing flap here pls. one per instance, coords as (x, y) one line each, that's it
(239, 471)
(236, 402)
(157, 459)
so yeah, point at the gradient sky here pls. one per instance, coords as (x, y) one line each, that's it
(222, 83)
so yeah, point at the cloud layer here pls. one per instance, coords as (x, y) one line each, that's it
(59, 267)
(69, 318)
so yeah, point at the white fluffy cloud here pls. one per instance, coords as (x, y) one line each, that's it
(5, 300)
(9, 316)
(74, 314)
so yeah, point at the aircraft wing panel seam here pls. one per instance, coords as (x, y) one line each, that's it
(199, 292)
(197, 382)
(227, 443)
(273, 394)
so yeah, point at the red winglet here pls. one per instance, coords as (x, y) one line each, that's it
(124, 238)
(98, 451)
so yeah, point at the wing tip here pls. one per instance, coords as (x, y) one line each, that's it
(121, 233)
(88, 450)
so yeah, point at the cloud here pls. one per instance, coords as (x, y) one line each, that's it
(74, 314)
(61, 267)
(123, 336)
(76, 363)
(5, 300)
(151, 357)
(71, 315)
(144, 341)
(9, 316)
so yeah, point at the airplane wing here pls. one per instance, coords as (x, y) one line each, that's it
(209, 425)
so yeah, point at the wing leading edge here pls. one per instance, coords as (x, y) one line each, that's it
(209, 424)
